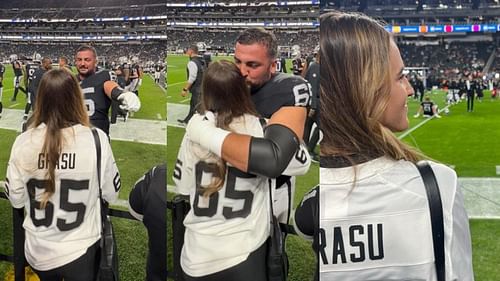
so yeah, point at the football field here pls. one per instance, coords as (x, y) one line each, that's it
(138, 144)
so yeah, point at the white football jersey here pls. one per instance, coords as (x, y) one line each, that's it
(71, 220)
(223, 229)
(380, 229)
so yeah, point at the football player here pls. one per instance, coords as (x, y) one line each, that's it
(297, 63)
(17, 67)
(281, 97)
(148, 203)
(2, 71)
(312, 76)
(158, 69)
(135, 78)
(31, 68)
(428, 108)
(99, 88)
(281, 65)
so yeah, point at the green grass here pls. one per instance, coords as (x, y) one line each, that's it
(133, 160)
(463, 139)
(302, 260)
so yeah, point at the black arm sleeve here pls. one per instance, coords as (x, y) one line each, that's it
(115, 93)
(269, 156)
(306, 214)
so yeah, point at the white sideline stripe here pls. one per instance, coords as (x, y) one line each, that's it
(13, 105)
(173, 84)
(172, 188)
(407, 132)
(185, 100)
(176, 125)
(138, 141)
(121, 203)
(153, 78)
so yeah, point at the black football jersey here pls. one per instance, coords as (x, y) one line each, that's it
(134, 71)
(30, 72)
(281, 65)
(281, 90)
(35, 81)
(427, 107)
(17, 67)
(297, 66)
(96, 100)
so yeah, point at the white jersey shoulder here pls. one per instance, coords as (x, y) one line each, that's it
(379, 229)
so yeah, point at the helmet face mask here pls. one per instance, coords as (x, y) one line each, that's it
(37, 57)
(295, 51)
(202, 47)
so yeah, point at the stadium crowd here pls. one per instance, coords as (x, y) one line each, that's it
(147, 51)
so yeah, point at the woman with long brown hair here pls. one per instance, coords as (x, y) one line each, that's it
(374, 218)
(52, 172)
(228, 224)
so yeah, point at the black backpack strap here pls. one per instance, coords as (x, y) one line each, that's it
(98, 155)
(436, 211)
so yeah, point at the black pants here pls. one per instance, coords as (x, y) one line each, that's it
(470, 102)
(252, 269)
(82, 269)
(193, 106)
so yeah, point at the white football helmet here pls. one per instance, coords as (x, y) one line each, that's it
(13, 57)
(316, 49)
(202, 47)
(295, 50)
(37, 57)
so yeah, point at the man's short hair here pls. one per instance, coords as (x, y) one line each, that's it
(260, 36)
(86, 48)
(65, 59)
(46, 60)
(194, 48)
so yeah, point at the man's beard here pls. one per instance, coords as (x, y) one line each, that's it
(89, 72)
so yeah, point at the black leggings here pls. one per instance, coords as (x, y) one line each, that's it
(252, 269)
(82, 269)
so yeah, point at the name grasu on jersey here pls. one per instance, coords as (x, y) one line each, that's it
(358, 244)
(66, 161)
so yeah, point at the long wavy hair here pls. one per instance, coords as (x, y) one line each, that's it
(225, 92)
(59, 105)
(355, 88)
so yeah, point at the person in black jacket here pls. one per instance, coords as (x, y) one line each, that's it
(195, 68)
(148, 203)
